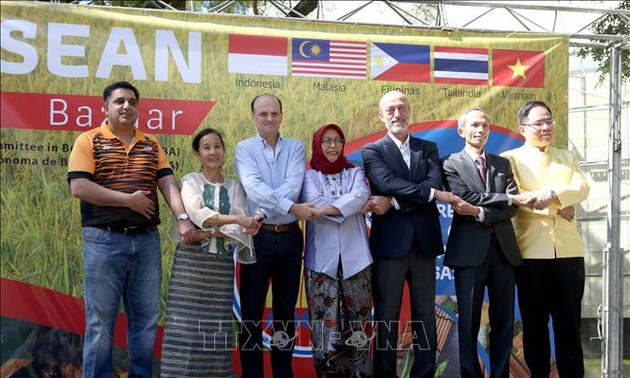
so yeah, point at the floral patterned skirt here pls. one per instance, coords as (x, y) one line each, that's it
(340, 312)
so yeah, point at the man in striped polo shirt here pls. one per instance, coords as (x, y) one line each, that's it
(115, 170)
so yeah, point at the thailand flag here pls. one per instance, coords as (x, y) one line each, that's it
(255, 54)
(397, 62)
(460, 65)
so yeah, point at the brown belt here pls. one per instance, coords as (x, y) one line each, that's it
(281, 227)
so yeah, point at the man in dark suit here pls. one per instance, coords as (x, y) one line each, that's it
(481, 245)
(405, 178)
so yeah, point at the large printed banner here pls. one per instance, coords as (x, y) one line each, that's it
(201, 70)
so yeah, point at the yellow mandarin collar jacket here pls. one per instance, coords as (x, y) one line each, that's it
(543, 234)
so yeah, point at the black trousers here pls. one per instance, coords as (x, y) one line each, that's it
(552, 287)
(279, 261)
(388, 279)
(497, 274)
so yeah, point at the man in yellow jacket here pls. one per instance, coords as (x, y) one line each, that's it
(551, 281)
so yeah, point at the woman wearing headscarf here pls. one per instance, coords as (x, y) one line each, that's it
(337, 259)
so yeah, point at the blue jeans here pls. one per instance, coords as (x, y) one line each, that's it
(118, 265)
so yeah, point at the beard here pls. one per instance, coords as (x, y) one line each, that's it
(397, 128)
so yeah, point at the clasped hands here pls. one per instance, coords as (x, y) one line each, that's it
(250, 225)
(307, 211)
(537, 201)
(460, 206)
(540, 201)
(381, 204)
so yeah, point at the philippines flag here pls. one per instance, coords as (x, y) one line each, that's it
(460, 65)
(397, 62)
(255, 54)
(326, 58)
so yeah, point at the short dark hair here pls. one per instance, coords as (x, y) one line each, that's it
(203, 133)
(117, 85)
(523, 112)
(263, 95)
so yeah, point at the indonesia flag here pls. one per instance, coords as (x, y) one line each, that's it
(254, 54)
(397, 62)
(460, 65)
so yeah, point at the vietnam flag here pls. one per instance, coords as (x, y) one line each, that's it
(518, 68)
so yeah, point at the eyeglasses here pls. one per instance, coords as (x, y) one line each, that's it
(540, 124)
(327, 142)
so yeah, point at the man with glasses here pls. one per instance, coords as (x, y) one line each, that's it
(551, 281)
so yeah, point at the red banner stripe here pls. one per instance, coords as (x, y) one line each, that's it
(61, 112)
(51, 308)
(357, 144)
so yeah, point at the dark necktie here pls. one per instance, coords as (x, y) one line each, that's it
(481, 167)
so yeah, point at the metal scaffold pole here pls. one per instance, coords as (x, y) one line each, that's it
(612, 359)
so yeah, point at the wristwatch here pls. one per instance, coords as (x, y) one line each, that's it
(183, 216)
(259, 215)
(553, 194)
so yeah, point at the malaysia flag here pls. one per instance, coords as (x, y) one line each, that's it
(255, 54)
(518, 68)
(460, 65)
(398, 62)
(326, 58)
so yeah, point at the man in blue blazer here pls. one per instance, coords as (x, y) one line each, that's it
(405, 179)
(482, 246)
